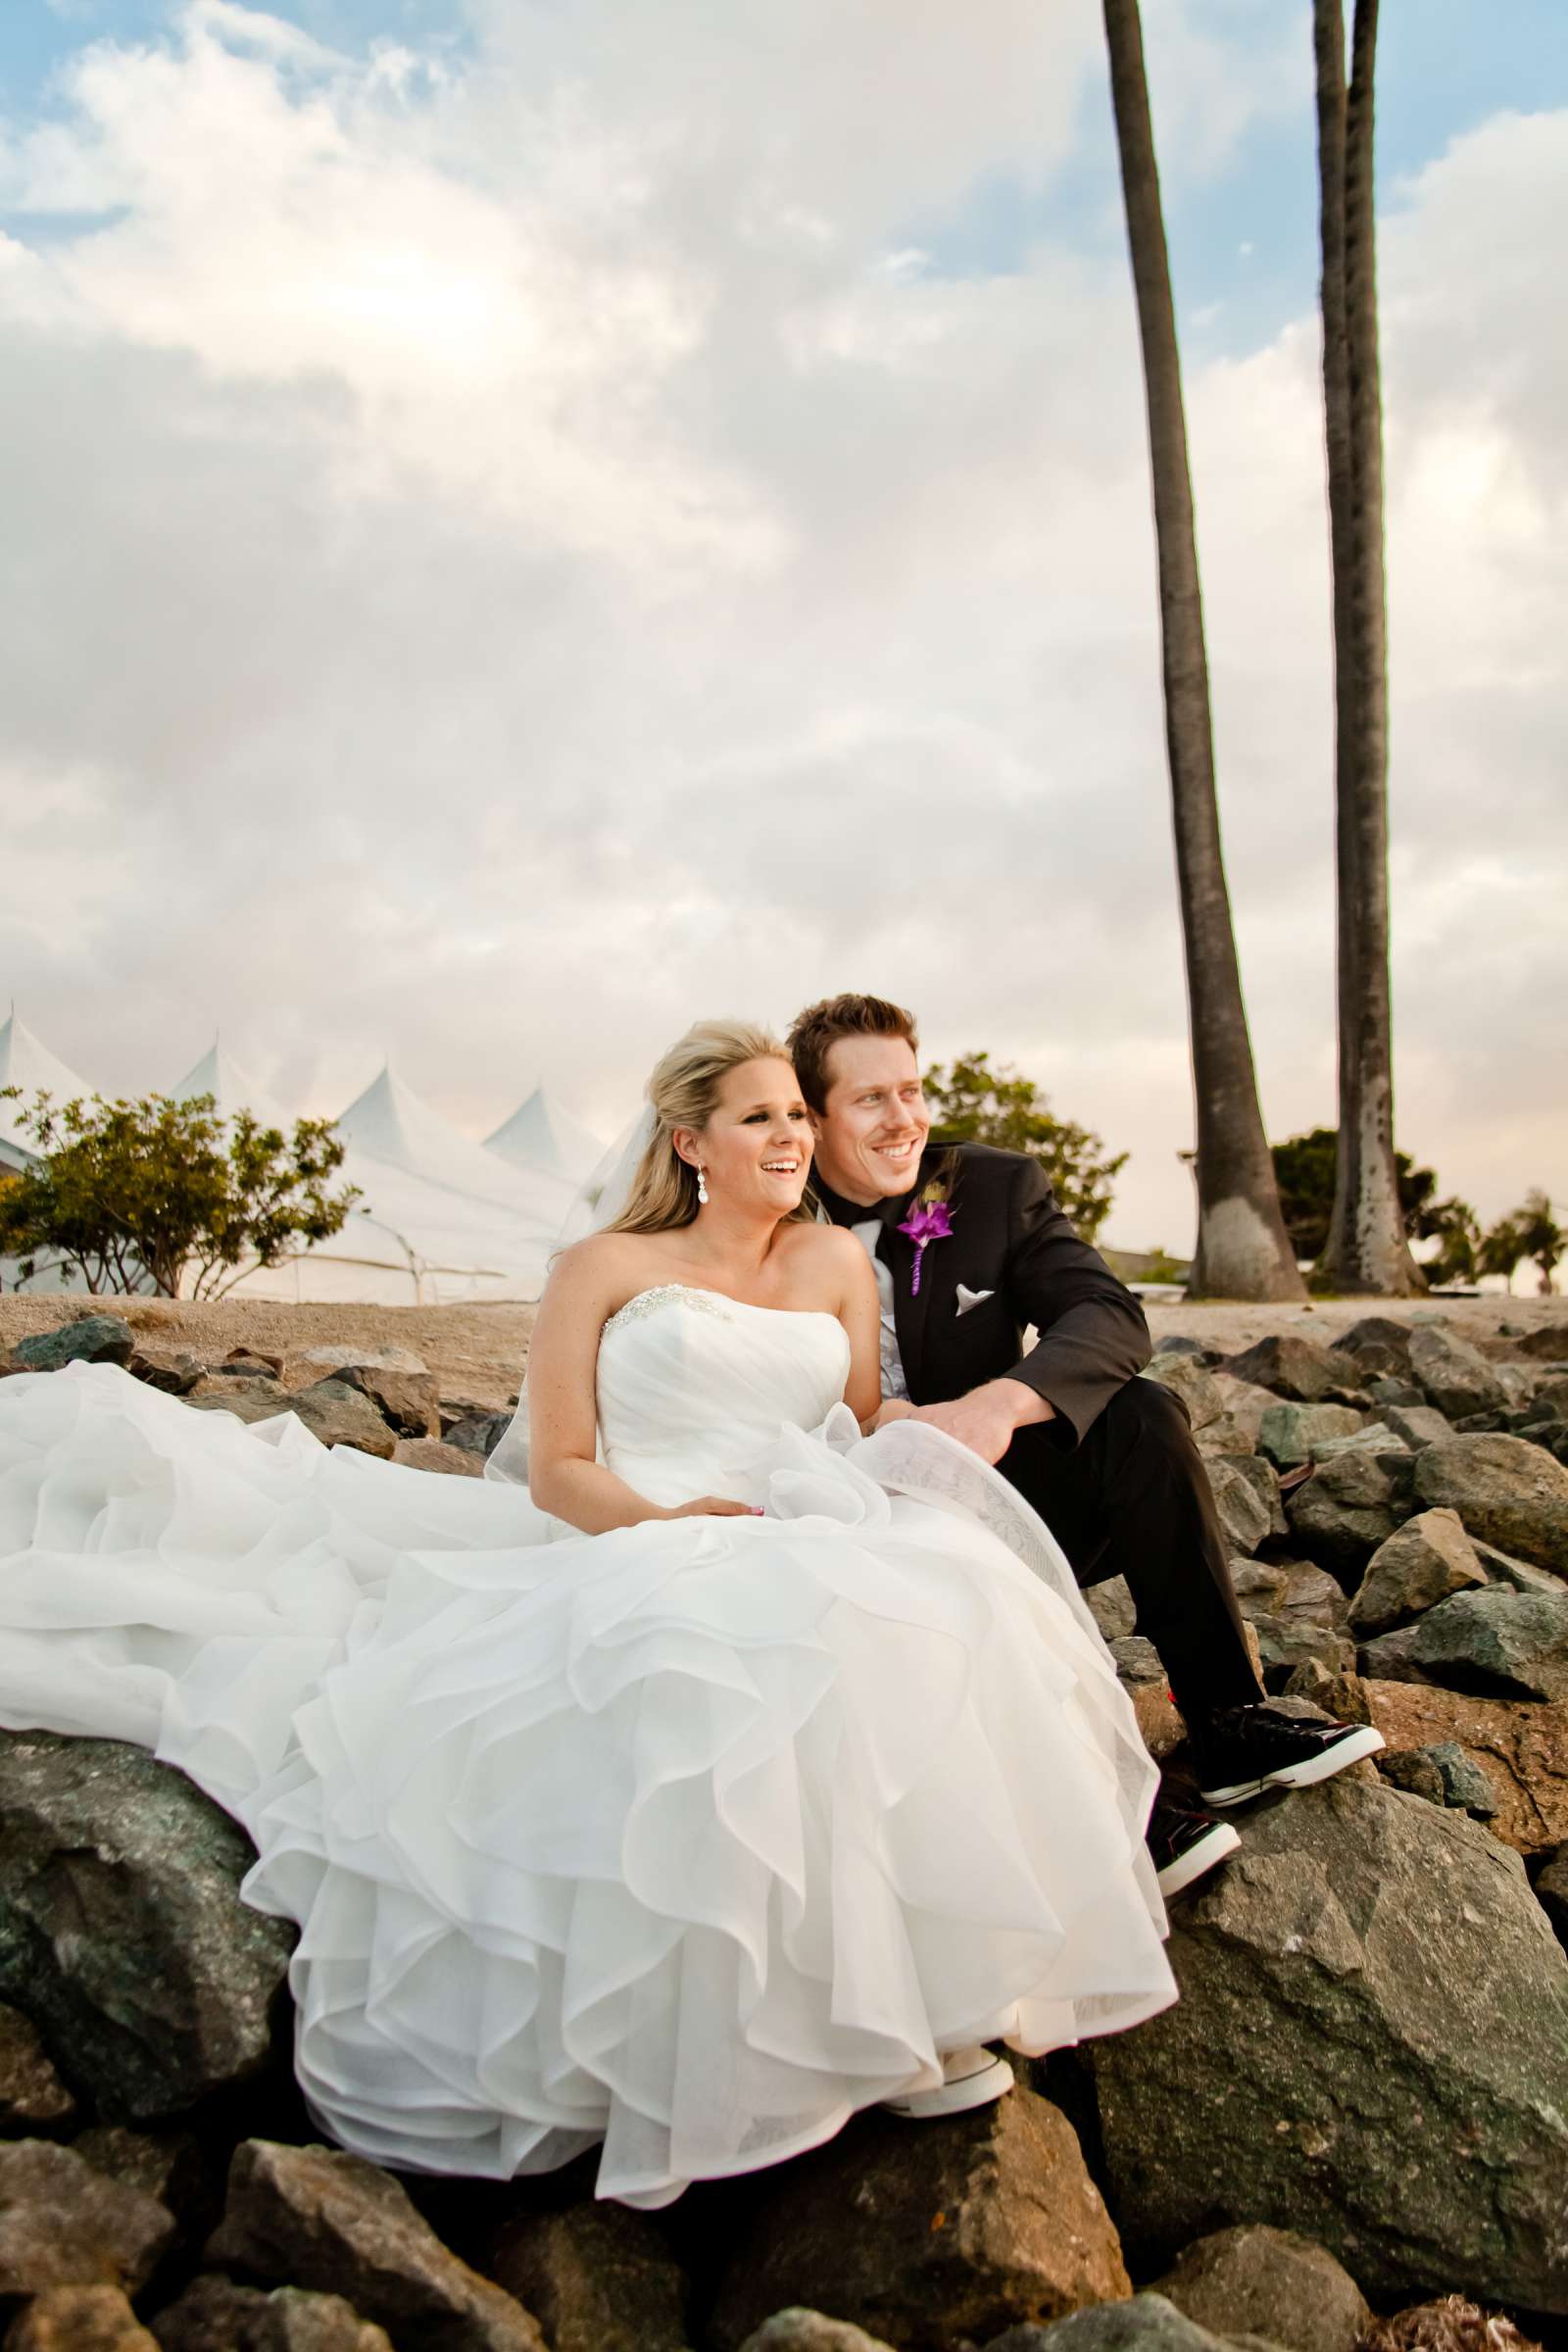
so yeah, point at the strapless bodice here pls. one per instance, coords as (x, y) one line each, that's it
(692, 1385)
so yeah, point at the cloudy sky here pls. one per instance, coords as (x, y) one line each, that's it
(530, 521)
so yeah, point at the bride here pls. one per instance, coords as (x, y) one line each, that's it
(754, 1770)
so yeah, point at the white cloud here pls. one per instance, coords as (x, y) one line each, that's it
(502, 562)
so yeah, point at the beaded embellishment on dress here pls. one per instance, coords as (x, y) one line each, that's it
(648, 1302)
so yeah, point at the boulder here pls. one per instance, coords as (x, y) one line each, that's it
(1264, 1481)
(64, 2225)
(1345, 1509)
(1502, 1568)
(33, 2097)
(258, 1398)
(1288, 1432)
(1147, 2323)
(598, 2278)
(480, 1433)
(1297, 1368)
(1254, 2281)
(1342, 1696)
(1421, 1563)
(1443, 1775)
(429, 1453)
(1187, 1378)
(800, 2330)
(122, 1930)
(1112, 1607)
(1506, 1490)
(1245, 1404)
(217, 2315)
(398, 1383)
(90, 1340)
(1286, 1643)
(175, 2167)
(1520, 1747)
(923, 2235)
(1225, 1435)
(1144, 1678)
(340, 1415)
(1497, 1643)
(172, 1370)
(1244, 1514)
(80, 2318)
(1548, 1343)
(1259, 1586)
(1368, 1986)
(1378, 1345)
(1453, 1375)
(311, 2217)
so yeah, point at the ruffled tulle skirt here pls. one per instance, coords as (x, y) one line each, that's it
(687, 1839)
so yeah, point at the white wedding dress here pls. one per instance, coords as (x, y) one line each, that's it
(689, 1839)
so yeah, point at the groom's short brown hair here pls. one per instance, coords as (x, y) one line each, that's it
(815, 1033)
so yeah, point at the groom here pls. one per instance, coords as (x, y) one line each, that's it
(969, 1250)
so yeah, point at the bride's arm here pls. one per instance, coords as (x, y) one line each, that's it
(564, 1478)
(860, 1314)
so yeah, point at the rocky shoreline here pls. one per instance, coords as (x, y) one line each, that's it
(1358, 2109)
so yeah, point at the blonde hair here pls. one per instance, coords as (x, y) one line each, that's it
(684, 1093)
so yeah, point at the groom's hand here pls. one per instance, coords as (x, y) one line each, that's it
(988, 1418)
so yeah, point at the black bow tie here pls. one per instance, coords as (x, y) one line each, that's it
(886, 1211)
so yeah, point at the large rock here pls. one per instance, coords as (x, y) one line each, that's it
(924, 2234)
(121, 1931)
(64, 2225)
(215, 2314)
(1367, 1986)
(1244, 1514)
(1191, 1380)
(1144, 1678)
(1345, 1509)
(1499, 1644)
(480, 1433)
(1285, 1645)
(1521, 1747)
(800, 2330)
(310, 2217)
(33, 2097)
(1506, 1490)
(1502, 1568)
(598, 2278)
(431, 1454)
(1378, 1345)
(172, 1370)
(80, 2318)
(1548, 1343)
(1258, 2282)
(1297, 1368)
(331, 1410)
(1422, 1563)
(1147, 2323)
(1454, 1376)
(90, 1340)
(1244, 1406)
(1288, 1434)
(399, 1384)
(1414, 1425)
(179, 2168)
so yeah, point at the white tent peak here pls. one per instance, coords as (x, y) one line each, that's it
(391, 1123)
(540, 1134)
(26, 1061)
(219, 1075)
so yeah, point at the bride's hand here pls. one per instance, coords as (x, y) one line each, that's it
(713, 1506)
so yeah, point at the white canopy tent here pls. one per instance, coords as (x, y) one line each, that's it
(540, 1136)
(26, 1061)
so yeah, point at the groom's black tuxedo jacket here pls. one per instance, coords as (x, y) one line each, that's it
(1010, 1240)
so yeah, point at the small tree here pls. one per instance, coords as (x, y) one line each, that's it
(1530, 1232)
(167, 1197)
(1306, 1169)
(1458, 1229)
(973, 1102)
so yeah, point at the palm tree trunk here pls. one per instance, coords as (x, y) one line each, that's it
(1367, 1250)
(1241, 1250)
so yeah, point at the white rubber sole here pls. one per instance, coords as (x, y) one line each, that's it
(1204, 1854)
(979, 2090)
(1306, 1775)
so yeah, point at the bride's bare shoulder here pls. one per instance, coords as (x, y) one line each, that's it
(821, 1250)
(596, 1267)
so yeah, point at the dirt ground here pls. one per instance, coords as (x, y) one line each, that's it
(478, 1352)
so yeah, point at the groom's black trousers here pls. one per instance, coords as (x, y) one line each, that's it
(1131, 1499)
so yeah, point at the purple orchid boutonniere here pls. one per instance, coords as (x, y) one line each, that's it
(929, 1220)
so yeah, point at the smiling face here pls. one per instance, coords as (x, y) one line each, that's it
(756, 1149)
(873, 1123)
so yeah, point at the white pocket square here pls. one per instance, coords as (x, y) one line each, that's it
(968, 1298)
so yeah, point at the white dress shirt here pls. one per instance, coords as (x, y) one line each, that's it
(868, 1233)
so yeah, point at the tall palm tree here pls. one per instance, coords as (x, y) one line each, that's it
(1242, 1251)
(1366, 1249)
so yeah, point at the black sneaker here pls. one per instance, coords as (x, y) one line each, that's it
(1184, 1844)
(1243, 1750)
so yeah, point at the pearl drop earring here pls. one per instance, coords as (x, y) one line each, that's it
(702, 1187)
